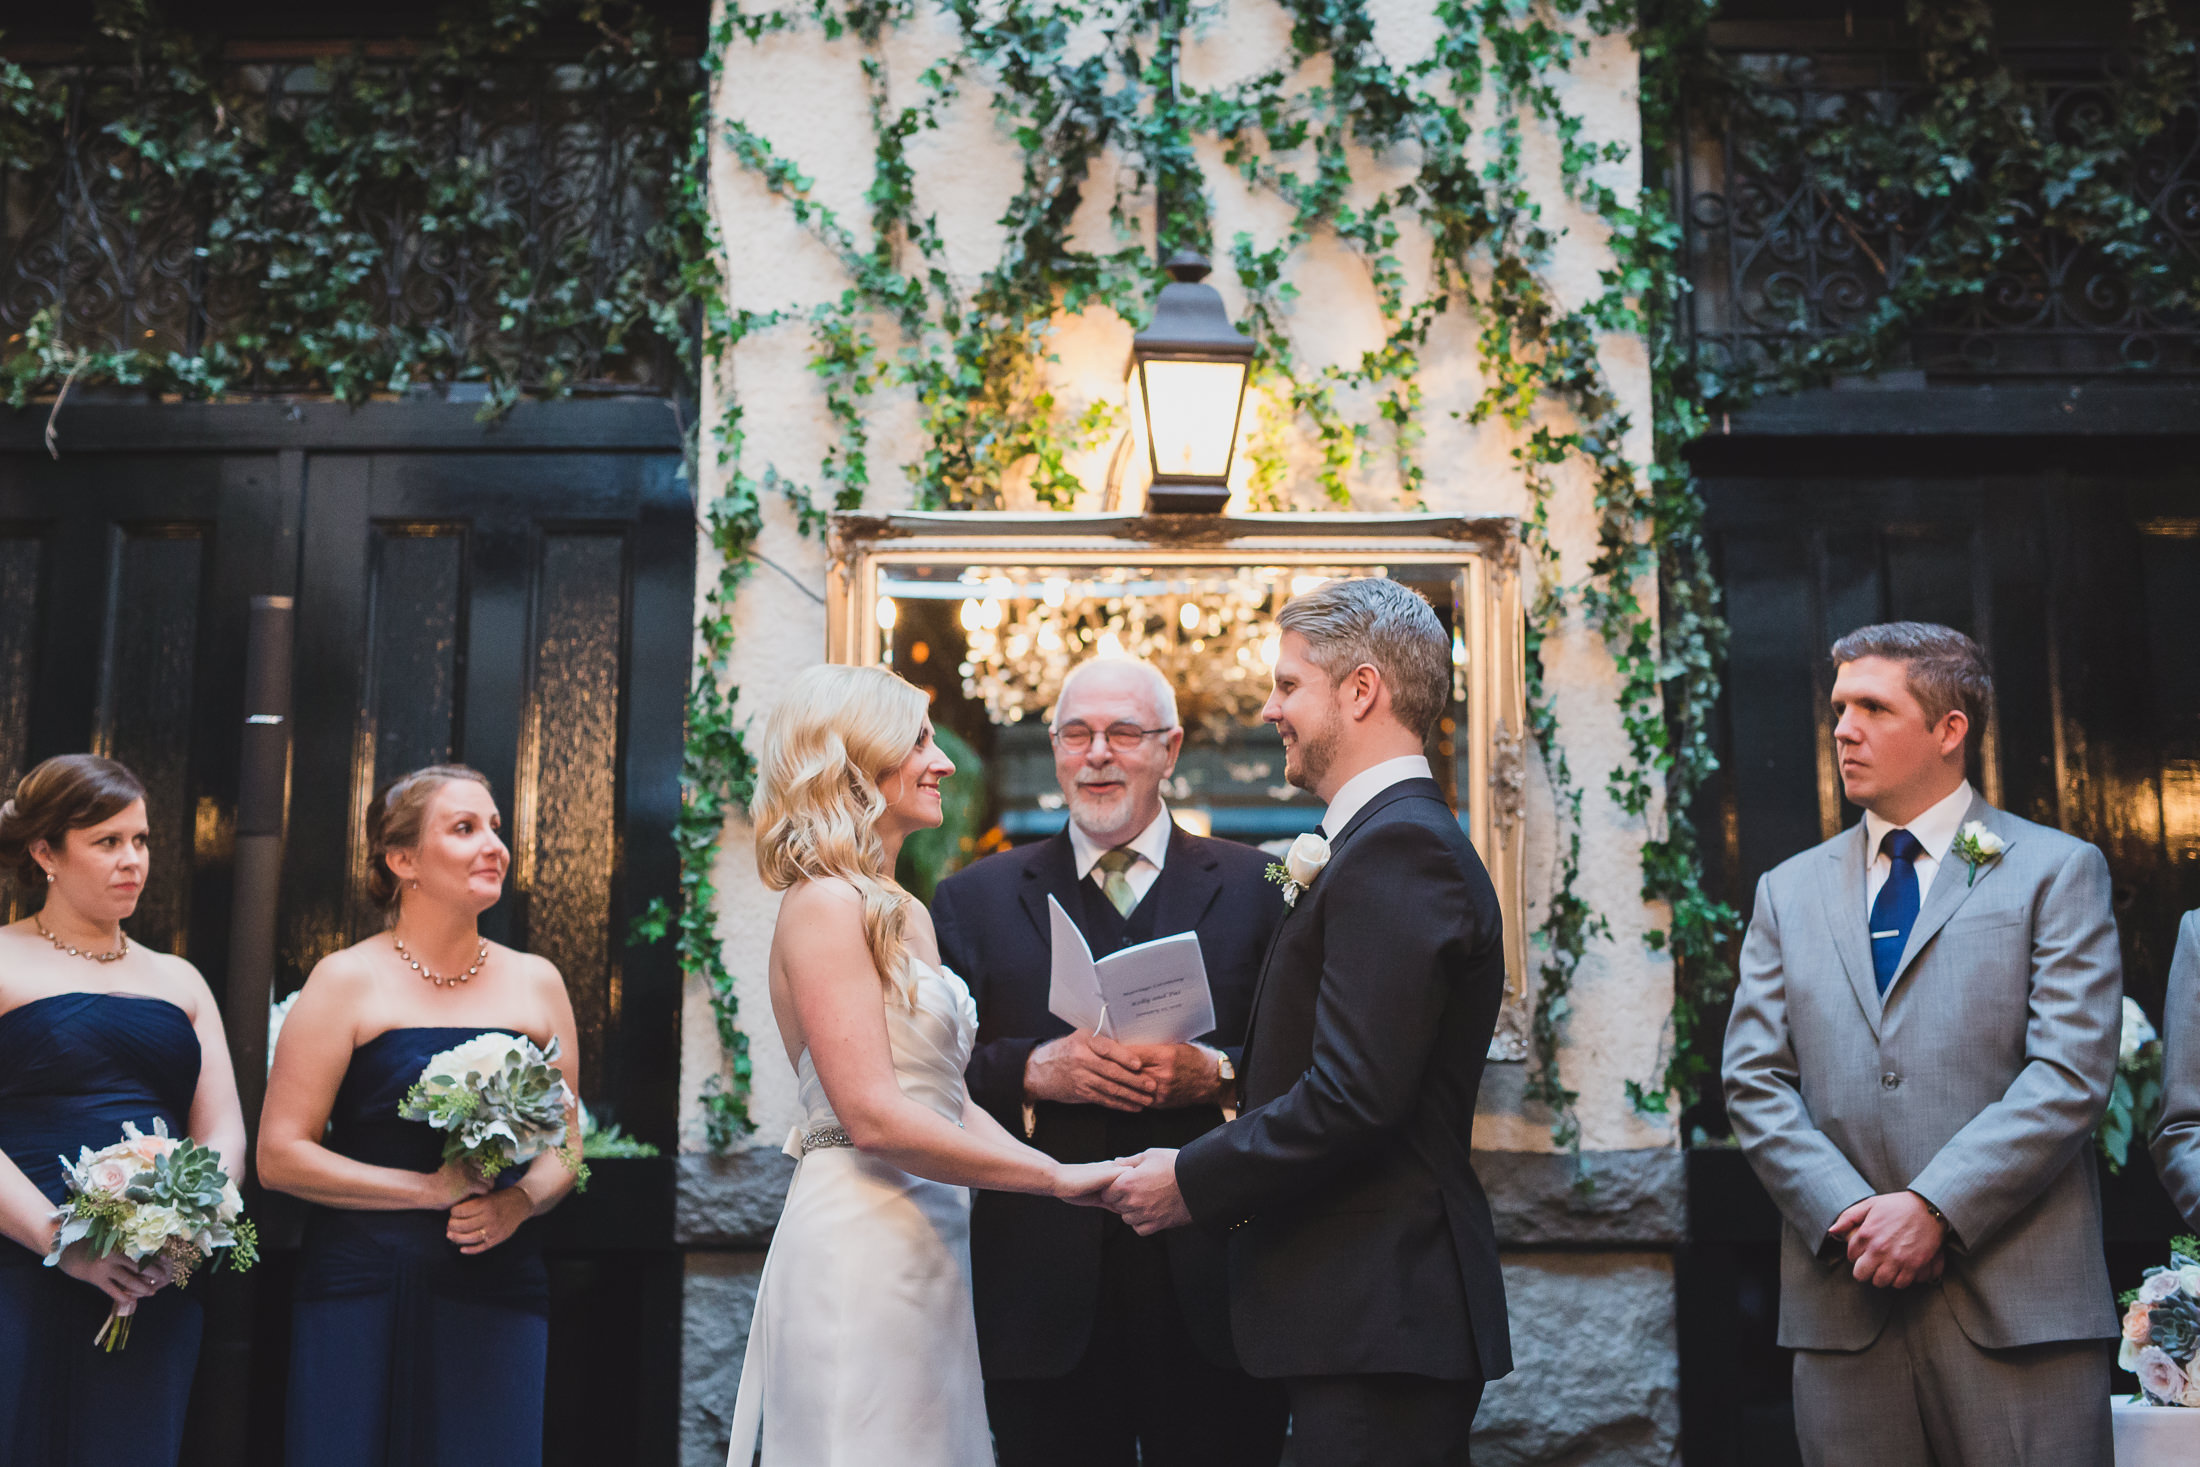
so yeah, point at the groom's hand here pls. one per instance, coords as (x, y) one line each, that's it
(1085, 1069)
(1146, 1193)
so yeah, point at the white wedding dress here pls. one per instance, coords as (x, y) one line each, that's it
(863, 1351)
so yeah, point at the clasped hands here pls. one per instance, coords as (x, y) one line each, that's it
(1089, 1069)
(1894, 1240)
(1141, 1188)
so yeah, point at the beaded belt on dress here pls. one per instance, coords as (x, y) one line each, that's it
(805, 1139)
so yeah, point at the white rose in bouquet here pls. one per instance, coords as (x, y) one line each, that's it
(2158, 1286)
(109, 1174)
(2138, 1032)
(2160, 1375)
(475, 1060)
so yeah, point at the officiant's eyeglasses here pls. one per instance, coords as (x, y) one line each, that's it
(1121, 737)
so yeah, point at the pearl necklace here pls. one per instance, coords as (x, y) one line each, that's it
(430, 974)
(115, 955)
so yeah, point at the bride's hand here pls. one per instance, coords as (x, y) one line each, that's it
(1083, 1182)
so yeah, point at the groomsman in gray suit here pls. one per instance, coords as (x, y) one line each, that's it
(2176, 1144)
(1923, 1040)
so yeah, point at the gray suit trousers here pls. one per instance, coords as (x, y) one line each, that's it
(1922, 1395)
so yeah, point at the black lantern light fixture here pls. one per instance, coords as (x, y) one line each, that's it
(1190, 367)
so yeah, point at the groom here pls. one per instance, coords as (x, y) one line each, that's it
(1363, 1264)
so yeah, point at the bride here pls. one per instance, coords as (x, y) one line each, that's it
(863, 1349)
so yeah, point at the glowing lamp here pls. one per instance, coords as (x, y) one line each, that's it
(1190, 367)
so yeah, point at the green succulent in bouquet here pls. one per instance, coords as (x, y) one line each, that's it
(499, 1101)
(2174, 1324)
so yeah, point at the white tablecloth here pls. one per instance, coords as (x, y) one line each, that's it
(2156, 1436)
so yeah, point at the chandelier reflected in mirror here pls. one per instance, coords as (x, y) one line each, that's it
(1211, 635)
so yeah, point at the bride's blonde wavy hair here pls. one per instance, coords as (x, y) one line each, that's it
(835, 733)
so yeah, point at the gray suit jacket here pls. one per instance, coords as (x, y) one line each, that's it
(1976, 1084)
(2176, 1144)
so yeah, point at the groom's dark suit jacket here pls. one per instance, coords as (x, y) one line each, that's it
(1035, 1262)
(1359, 1238)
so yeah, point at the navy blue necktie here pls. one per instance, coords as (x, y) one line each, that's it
(1894, 910)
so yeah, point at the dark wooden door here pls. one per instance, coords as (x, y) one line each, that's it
(516, 596)
(124, 579)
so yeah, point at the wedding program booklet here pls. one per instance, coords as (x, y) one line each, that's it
(1154, 993)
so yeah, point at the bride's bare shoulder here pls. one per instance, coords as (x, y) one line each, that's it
(819, 895)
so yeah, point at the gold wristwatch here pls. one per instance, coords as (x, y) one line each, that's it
(1227, 1073)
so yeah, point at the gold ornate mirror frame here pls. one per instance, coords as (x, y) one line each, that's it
(1479, 556)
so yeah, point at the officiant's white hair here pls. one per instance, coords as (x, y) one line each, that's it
(1370, 621)
(1164, 692)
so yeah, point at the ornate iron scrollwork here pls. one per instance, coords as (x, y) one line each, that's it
(1779, 259)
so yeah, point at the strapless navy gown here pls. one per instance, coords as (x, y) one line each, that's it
(73, 1068)
(404, 1351)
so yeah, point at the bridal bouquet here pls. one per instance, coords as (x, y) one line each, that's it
(2162, 1328)
(2135, 1097)
(499, 1101)
(156, 1196)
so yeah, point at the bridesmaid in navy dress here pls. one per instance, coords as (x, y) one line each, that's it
(420, 1333)
(94, 1031)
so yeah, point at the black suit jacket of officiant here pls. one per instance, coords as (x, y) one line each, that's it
(1359, 1238)
(1035, 1262)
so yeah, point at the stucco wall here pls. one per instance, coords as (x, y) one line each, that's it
(806, 95)
(1605, 1255)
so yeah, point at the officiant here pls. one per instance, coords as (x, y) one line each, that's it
(1102, 1348)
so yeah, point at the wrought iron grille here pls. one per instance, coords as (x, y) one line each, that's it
(490, 226)
(1776, 259)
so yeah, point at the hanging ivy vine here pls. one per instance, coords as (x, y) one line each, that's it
(974, 356)
(356, 225)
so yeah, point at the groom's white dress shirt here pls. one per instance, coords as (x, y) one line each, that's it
(1150, 845)
(1366, 785)
(1935, 831)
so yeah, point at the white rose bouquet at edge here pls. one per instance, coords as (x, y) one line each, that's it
(152, 1196)
(499, 1102)
(2162, 1329)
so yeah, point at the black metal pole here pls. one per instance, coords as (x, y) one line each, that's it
(263, 802)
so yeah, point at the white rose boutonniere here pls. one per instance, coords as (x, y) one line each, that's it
(1977, 846)
(1300, 865)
